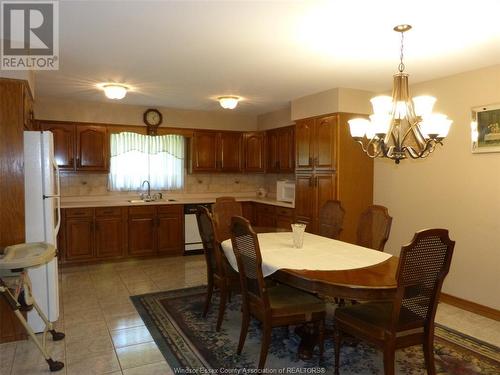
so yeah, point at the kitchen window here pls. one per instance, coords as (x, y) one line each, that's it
(136, 157)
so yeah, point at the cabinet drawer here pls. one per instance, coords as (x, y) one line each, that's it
(284, 211)
(142, 210)
(172, 209)
(79, 212)
(108, 211)
(265, 208)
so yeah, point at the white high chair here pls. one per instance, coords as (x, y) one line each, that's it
(15, 287)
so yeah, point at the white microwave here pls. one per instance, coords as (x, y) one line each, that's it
(285, 191)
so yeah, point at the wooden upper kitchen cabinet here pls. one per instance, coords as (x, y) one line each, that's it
(281, 150)
(286, 149)
(316, 144)
(254, 149)
(330, 165)
(92, 145)
(213, 151)
(204, 151)
(79, 146)
(64, 144)
(230, 151)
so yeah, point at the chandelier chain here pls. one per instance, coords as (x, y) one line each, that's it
(401, 66)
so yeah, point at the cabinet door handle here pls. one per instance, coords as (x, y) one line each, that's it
(310, 161)
(78, 164)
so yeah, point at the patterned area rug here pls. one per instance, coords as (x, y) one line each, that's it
(191, 345)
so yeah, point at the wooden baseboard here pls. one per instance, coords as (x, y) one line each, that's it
(474, 307)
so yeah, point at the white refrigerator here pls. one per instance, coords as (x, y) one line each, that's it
(43, 219)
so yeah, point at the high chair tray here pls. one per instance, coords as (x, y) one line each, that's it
(27, 255)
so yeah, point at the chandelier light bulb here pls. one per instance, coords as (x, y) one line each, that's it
(358, 127)
(423, 105)
(228, 102)
(381, 104)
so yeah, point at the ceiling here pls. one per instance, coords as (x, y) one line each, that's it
(185, 54)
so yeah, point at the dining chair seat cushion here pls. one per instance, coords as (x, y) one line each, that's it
(376, 317)
(287, 300)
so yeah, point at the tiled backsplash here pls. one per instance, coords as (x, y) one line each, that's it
(97, 184)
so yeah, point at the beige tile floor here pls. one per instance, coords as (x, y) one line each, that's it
(105, 335)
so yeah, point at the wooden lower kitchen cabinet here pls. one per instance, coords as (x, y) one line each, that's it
(110, 233)
(270, 216)
(156, 230)
(91, 234)
(248, 211)
(142, 223)
(170, 234)
(284, 217)
(79, 234)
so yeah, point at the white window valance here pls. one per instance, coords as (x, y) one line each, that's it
(136, 157)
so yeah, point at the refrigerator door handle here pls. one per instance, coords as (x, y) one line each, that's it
(58, 224)
(58, 177)
(58, 196)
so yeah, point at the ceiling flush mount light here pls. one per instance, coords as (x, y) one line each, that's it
(400, 126)
(114, 90)
(228, 102)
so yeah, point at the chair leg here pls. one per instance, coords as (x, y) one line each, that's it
(428, 347)
(266, 340)
(222, 307)
(208, 298)
(321, 338)
(338, 337)
(389, 357)
(245, 321)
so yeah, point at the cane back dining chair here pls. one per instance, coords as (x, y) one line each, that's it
(275, 306)
(217, 274)
(331, 218)
(223, 210)
(409, 319)
(374, 227)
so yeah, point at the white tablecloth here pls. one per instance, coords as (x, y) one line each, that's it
(318, 253)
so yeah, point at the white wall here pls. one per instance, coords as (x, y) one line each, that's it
(452, 189)
(275, 119)
(124, 114)
(331, 101)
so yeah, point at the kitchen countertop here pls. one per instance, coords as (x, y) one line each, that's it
(123, 200)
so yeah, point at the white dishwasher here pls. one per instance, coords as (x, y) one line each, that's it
(192, 238)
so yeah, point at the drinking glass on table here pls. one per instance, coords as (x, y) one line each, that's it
(298, 234)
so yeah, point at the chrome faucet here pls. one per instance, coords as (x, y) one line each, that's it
(148, 197)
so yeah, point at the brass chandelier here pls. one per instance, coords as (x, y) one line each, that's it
(400, 126)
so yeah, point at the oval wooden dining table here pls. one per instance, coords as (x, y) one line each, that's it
(375, 282)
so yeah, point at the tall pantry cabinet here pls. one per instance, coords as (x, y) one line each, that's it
(16, 115)
(331, 165)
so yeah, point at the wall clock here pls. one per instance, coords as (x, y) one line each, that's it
(152, 118)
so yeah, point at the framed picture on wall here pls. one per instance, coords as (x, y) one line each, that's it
(485, 129)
